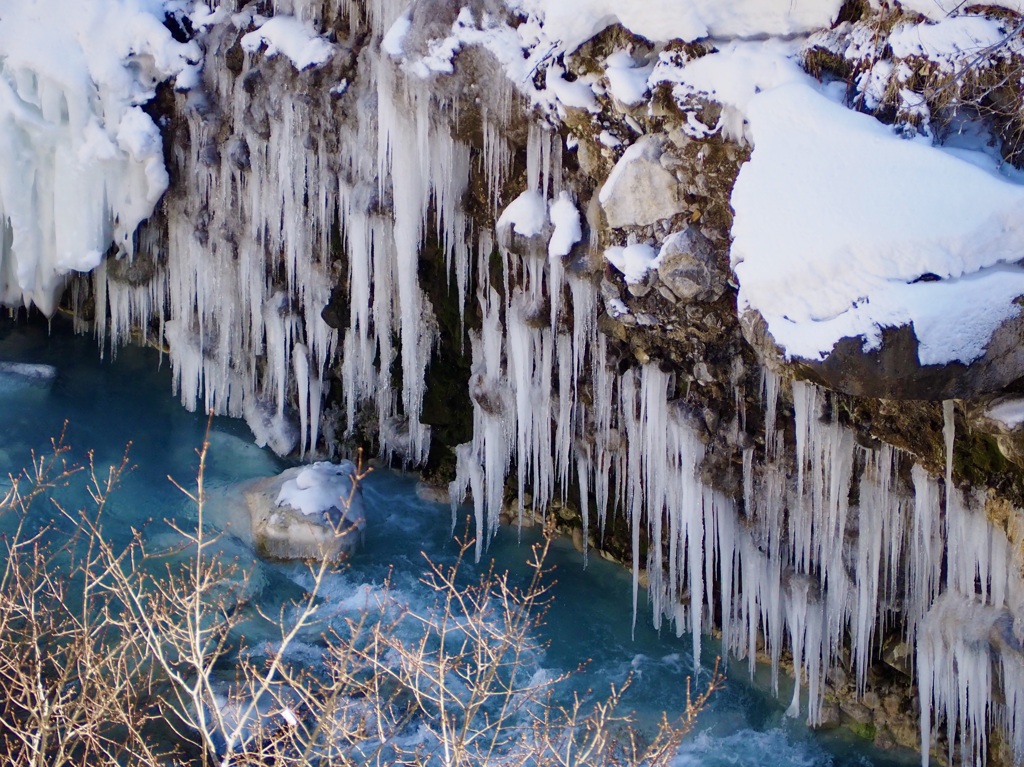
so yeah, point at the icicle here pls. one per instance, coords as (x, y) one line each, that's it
(770, 383)
(872, 537)
(949, 435)
(955, 674)
(926, 550)
(300, 364)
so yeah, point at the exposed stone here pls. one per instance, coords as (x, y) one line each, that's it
(1012, 448)
(905, 730)
(839, 677)
(884, 738)
(641, 288)
(665, 293)
(689, 266)
(830, 717)
(897, 654)
(701, 374)
(893, 371)
(855, 712)
(609, 289)
(1003, 419)
(136, 269)
(640, 191)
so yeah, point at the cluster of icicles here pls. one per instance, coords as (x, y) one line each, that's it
(247, 272)
(797, 565)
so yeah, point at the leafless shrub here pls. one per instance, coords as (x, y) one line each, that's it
(113, 655)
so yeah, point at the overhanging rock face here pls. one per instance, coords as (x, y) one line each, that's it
(893, 369)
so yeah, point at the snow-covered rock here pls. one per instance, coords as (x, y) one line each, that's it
(568, 227)
(634, 261)
(940, 9)
(526, 215)
(640, 190)
(1001, 415)
(291, 37)
(887, 266)
(1002, 418)
(571, 22)
(310, 512)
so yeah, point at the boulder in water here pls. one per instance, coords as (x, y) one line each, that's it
(312, 512)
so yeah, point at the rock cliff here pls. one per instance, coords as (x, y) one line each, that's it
(736, 295)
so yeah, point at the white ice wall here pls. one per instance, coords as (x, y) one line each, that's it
(80, 163)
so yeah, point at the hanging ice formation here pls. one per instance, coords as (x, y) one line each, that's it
(82, 162)
(279, 191)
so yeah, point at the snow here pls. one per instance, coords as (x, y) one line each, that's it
(578, 94)
(80, 164)
(393, 43)
(731, 77)
(202, 16)
(292, 37)
(837, 219)
(323, 486)
(947, 41)
(627, 79)
(939, 9)
(527, 214)
(488, 31)
(617, 308)
(570, 23)
(634, 261)
(568, 229)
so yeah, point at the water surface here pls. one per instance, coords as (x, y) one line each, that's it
(102, 405)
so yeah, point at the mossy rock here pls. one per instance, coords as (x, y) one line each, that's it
(867, 731)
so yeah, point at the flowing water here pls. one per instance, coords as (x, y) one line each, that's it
(106, 404)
